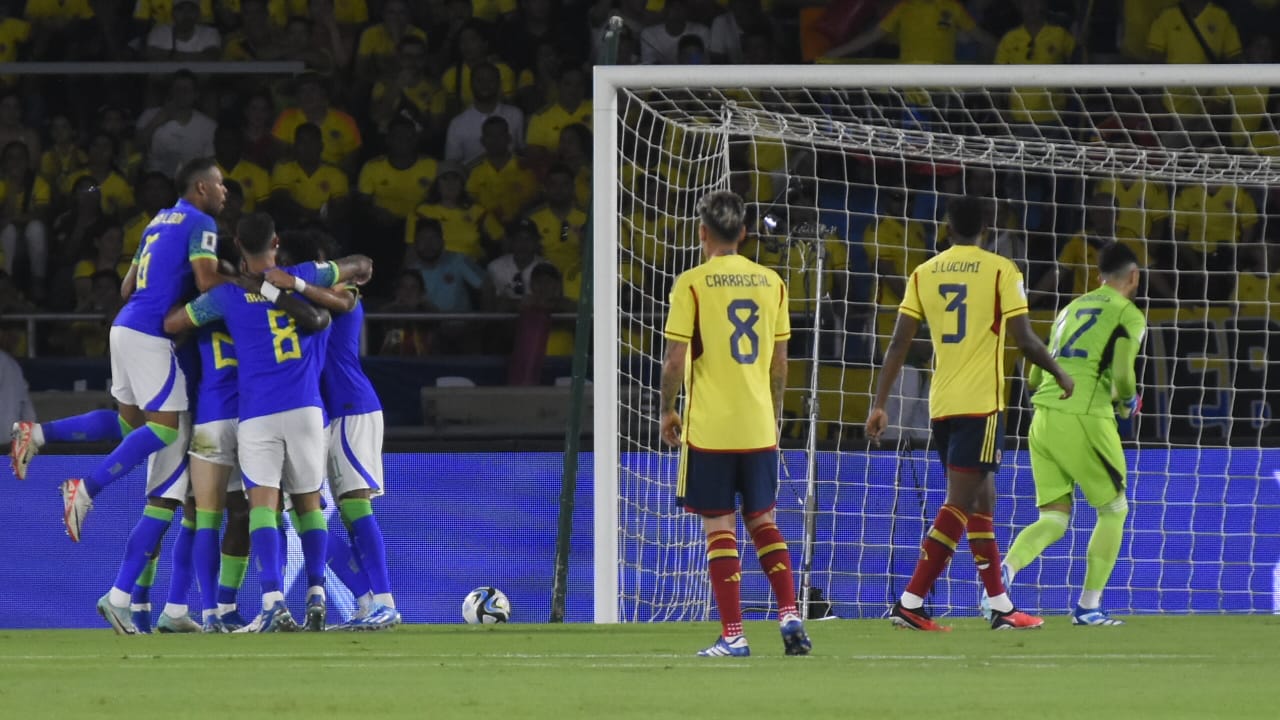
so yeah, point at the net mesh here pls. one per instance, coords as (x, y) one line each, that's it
(856, 182)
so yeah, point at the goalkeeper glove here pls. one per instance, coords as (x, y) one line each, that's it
(1128, 408)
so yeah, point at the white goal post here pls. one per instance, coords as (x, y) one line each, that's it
(1201, 472)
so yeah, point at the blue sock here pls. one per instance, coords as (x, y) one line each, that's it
(128, 455)
(137, 549)
(344, 565)
(96, 425)
(314, 534)
(206, 557)
(180, 580)
(266, 547)
(358, 513)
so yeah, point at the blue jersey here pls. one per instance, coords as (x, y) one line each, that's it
(343, 385)
(170, 242)
(219, 395)
(278, 365)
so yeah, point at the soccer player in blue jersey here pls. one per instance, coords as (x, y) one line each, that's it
(355, 439)
(280, 435)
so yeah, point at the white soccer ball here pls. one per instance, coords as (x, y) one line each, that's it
(486, 606)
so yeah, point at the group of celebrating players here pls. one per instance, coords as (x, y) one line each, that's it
(726, 347)
(237, 380)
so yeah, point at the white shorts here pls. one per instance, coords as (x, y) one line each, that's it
(215, 442)
(168, 476)
(145, 371)
(355, 454)
(284, 450)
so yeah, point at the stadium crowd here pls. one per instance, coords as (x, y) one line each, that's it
(450, 140)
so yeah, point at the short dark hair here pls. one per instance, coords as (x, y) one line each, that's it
(1116, 257)
(308, 129)
(254, 232)
(299, 246)
(192, 172)
(428, 223)
(495, 120)
(967, 217)
(724, 214)
(545, 270)
(234, 188)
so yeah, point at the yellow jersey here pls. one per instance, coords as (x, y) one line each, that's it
(965, 294)
(492, 10)
(394, 190)
(254, 180)
(1256, 292)
(449, 81)
(161, 11)
(38, 10)
(1174, 40)
(41, 194)
(1052, 45)
(503, 191)
(798, 264)
(902, 244)
(1080, 258)
(731, 312)
(926, 30)
(346, 12)
(545, 125)
(1140, 204)
(338, 131)
(426, 97)
(310, 191)
(57, 165)
(14, 32)
(375, 41)
(133, 229)
(1213, 218)
(561, 238)
(462, 227)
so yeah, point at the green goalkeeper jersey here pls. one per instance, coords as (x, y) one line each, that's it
(1095, 339)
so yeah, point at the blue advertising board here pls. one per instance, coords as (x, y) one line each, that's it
(1204, 536)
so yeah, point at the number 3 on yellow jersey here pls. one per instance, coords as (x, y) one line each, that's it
(284, 337)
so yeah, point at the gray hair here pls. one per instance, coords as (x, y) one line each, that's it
(723, 213)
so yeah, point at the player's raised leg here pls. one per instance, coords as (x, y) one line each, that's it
(29, 437)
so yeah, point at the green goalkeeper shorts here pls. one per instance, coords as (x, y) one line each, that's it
(1069, 450)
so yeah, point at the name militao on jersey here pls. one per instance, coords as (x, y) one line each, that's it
(343, 385)
(278, 365)
(1083, 342)
(172, 239)
(731, 311)
(218, 394)
(965, 294)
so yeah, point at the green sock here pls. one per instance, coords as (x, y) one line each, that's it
(1034, 538)
(1104, 548)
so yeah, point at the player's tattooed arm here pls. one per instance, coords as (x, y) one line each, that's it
(778, 377)
(1035, 351)
(672, 379)
(332, 299)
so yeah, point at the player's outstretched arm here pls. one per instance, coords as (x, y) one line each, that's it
(307, 316)
(894, 358)
(331, 299)
(1036, 352)
(356, 269)
(672, 379)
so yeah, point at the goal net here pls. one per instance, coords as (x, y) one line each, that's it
(847, 172)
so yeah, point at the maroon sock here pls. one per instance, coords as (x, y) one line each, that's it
(725, 568)
(986, 554)
(775, 560)
(936, 550)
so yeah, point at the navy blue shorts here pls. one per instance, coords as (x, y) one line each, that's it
(970, 444)
(710, 481)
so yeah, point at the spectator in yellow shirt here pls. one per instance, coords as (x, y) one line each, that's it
(411, 92)
(894, 245)
(468, 228)
(339, 132)
(64, 158)
(113, 189)
(560, 223)
(228, 150)
(15, 33)
(307, 189)
(570, 108)
(107, 254)
(472, 50)
(494, 10)
(155, 193)
(1257, 292)
(1036, 42)
(1214, 227)
(160, 12)
(1142, 207)
(391, 186)
(498, 181)
(24, 209)
(375, 54)
(926, 31)
(1173, 40)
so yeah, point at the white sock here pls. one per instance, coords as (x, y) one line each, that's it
(1002, 603)
(208, 614)
(384, 599)
(366, 600)
(224, 608)
(174, 610)
(37, 435)
(911, 601)
(139, 607)
(271, 598)
(1090, 599)
(316, 590)
(784, 619)
(119, 598)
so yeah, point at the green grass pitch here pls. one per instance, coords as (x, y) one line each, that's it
(1155, 667)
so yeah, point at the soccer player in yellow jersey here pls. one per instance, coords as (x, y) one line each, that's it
(727, 345)
(967, 296)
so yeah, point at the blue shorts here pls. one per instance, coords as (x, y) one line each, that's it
(710, 481)
(969, 443)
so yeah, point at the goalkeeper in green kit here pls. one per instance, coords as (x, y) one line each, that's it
(1075, 441)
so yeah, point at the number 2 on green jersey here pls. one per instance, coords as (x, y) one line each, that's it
(1068, 349)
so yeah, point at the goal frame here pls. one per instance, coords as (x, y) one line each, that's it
(609, 80)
